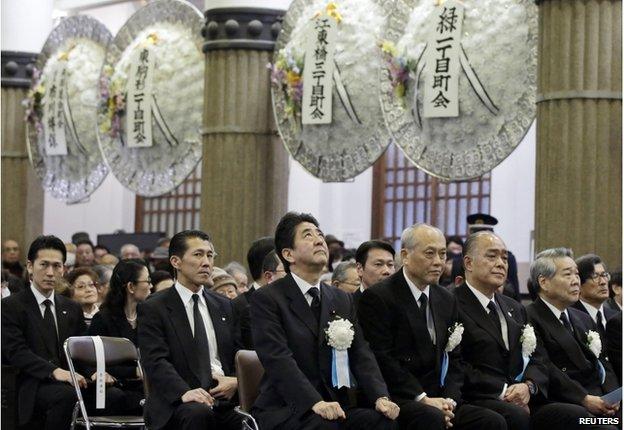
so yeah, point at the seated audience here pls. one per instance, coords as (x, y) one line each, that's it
(109, 260)
(187, 337)
(11, 261)
(130, 284)
(345, 277)
(226, 286)
(159, 259)
(288, 321)
(84, 254)
(375, 262)
(454, 245)
(11, 284)
(594, 291)
(129, 250)
(408, 319)
(161, 280)
(615, 291)
(239, 273)
(98, 252)
(613, 347)
(336, 251)
(83, 290)
(104, 275)
(35, 323)
(563, 331)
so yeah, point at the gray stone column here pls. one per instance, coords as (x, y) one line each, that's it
(245, 166)
(579, 130)
(22, 195)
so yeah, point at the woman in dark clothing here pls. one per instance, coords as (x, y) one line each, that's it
(130, 284)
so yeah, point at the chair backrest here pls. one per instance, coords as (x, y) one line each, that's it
(117, 350)
(249, 372)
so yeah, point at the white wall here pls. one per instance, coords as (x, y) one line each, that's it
(25, 24)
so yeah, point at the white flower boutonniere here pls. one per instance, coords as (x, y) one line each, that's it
(594, 343)
(455, 337)
(528, 340)
(340, 334)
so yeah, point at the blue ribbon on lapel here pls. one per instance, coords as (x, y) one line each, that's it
(340, 369)
(525, 363)
(444, 368)
(602, 371)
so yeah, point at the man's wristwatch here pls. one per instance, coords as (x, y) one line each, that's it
(532, 387)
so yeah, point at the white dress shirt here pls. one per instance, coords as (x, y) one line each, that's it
(485, 300)
(593, 312)
(40, 298)
(187, 299)
(304, 286)
(416, 292)
(557, 312)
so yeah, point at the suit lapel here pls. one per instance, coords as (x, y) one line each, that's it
(33, 309)
(299, 305)
(580, 333)
(513, 327)
(182, 327)
(474, 310)
(62, 319)
(327, 300)
(560, 334)
(219, 322)
(436, 306)
(407, 301)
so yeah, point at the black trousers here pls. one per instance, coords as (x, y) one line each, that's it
(198, 416)
(563, 416)
(54, 401)
(357, 419)
(516, 417)
(418, 416)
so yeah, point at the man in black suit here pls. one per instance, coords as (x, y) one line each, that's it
(255, 257)
(594, 291)
(374, 261)
(188, 338)
(562, 330)
(289, 319)
(614, 344)
(495, 376)
(407, 318)
(35, 324)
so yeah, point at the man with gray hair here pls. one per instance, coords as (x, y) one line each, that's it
(345, 277)
(575, 373)
(129, 250)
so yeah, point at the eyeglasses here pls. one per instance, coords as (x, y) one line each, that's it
(596, 276)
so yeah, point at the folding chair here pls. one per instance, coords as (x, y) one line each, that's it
(249, 372)
(116, 351)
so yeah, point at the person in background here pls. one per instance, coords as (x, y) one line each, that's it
(83, 290)
(374, 262)
(159, 259)
(130, 285)
(615, 291)
(345, 277)
(11, 260)
(10, 284)
(239, 273)
(161, 280)
(104, 275)
(109, 260)
(226, 286)
(129, 250)
(454, 245)
(99, 251)
(336, 251)
(84, 254)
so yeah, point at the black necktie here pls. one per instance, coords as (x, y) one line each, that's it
(601, 329)
(201, 344)
(566, 322)
(316, 302)
(50, 326)
(423, 307)
(494, 317)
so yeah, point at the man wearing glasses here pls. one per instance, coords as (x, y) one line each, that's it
(187, 339)
(594, 291)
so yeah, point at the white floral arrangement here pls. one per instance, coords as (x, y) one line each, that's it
(528, 340)
(340, 334)
(594, 343)
(455, 337)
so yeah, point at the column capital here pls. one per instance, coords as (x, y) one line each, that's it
(241, 28)
(17, 68)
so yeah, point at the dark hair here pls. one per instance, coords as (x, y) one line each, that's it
(160, 275)
(256, 254)
(101, 247)
(361, 255)
(85, 242)
(456, 239)
(585, 264)
(125, 271)
(270, 262)
(46, 242)
(285, 233)
(616, 278)
(78, 272)
(178, 245)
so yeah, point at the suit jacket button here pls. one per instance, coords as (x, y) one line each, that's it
(563, 369)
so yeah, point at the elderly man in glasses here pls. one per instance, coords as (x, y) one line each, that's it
(594, 291)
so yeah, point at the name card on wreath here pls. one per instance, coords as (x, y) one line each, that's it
(441, 99)
(139, 113)
(54, 112)
(316, 104)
